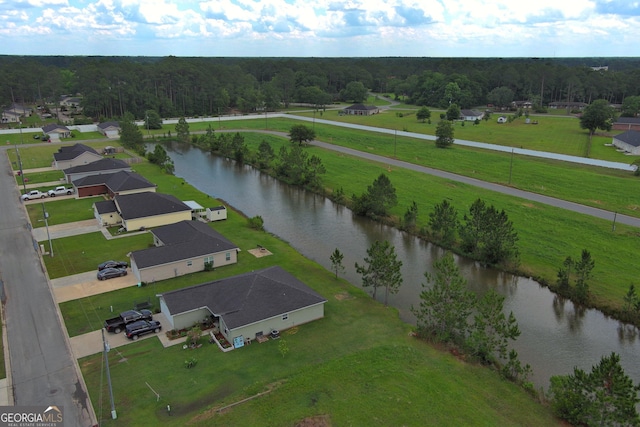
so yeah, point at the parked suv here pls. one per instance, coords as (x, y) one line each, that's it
(142, 327)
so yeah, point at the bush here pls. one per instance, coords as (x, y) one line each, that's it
(257, 223)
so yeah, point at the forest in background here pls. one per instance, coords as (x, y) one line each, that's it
(200, 86)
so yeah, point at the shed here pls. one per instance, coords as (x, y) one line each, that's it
(197, 211)
(216, 213)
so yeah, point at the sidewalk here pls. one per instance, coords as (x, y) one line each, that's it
(68, 229)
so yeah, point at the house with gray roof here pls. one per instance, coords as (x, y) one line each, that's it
(109, 129)
(74, 155)
(360, 110)
(246, 306)
(471, 115)
(102, 166)
(629, 142)
(182, 248)
(112, 184)
(139, 211)
(627, 123)
(56, 132)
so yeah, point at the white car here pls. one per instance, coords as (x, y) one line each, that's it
(60, 191)
(33, 194)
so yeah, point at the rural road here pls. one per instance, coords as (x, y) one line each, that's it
(43, 371)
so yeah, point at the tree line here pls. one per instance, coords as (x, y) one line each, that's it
(172, 86)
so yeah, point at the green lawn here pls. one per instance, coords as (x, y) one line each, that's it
(62, 211)
(78, 254)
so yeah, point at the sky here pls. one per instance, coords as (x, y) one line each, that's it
(321, 28)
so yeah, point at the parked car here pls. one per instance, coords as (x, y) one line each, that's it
(60, 191)
(142, 327)
(36, 136)
(33, 194)
(112, 264)
(110, 273)
(118, 323)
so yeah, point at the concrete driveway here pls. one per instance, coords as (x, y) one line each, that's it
(86, 284)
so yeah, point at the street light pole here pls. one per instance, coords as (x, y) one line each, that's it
(106, 359)
(46, 223)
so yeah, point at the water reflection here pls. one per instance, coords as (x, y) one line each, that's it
(556, 335)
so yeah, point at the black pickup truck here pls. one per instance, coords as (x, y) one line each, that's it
(142, 327)
(117, 324)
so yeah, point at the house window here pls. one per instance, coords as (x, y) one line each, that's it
(208, 259)
(189, 263)
(228, 256)
(285, 316)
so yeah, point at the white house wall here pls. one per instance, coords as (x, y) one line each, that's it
(180, 268)
(294, 318)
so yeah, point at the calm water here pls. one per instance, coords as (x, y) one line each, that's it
(556, 335)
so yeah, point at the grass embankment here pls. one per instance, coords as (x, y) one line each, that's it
(355, 366)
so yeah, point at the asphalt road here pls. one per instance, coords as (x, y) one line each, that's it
(43, 369)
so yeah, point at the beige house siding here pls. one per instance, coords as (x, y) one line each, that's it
(179, 268)
(82, 159)
(138, 190)
(186, 320)
(294, 318)
(107, 219)
(156, 221)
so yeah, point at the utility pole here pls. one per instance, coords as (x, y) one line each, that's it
(46, 223)
(511, 166)
(395, 142)
(106, 359)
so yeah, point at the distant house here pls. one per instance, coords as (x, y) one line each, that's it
(9, 116)
(74, 155)
(112, 184)
(56, 132)
(247, 306)
(182, 248)
(109, 129)
(361, 110)
(627, 123)
(141, 210)
(70, 101)
(216, 213)
(471, 115)
(98, 167)
(522, 104)
(629, 142)
(567, 105)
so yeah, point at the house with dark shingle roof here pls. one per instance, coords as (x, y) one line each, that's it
(471, 115)
(56, 132)
(627, 123)
(246, 306)
(74, 155)
(182, 248)
(102, 166)
(109, 129)
(142, 210)
(629, 142)
(112, 184)
(361, 110)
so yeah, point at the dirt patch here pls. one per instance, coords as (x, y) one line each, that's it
(317, 421)
(597, 202)
(633, 207)
(259, 252)
(343, 296)
(528, 205)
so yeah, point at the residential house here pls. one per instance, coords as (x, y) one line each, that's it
(112, 184)
(471, 115)
(70, 101)
(102, 166)
(629, 142)
(74, 155)
(627, 123)
(109, 129)
(246, 306)
(360, 110)
(567, 105)
(56, 132)
(182, 248)
(141, 210)
(522, 104)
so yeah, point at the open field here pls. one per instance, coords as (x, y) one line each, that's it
(63, 211)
